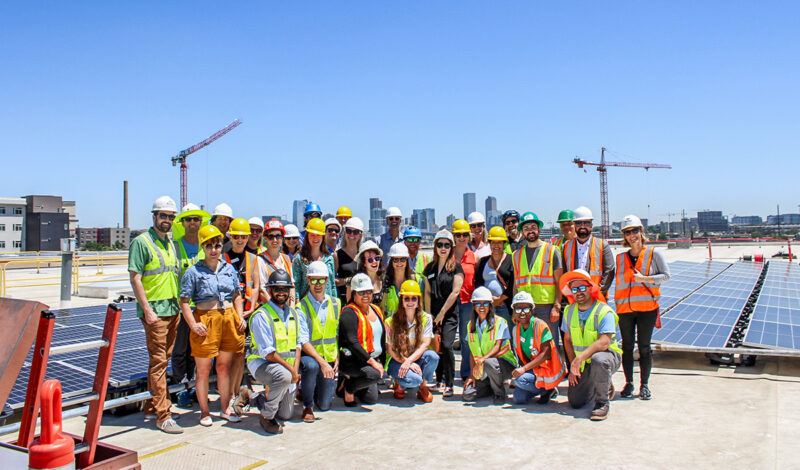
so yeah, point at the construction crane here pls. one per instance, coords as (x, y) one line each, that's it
(181, 157)
(602, 168)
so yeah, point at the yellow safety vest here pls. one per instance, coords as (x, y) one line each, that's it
(285, 334)
(582, 338)
(324, 340)
(160, 277)
(539, 281)
(479, 346)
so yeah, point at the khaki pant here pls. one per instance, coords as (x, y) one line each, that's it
(160, 340)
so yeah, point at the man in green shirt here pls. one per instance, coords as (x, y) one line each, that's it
(155, 274)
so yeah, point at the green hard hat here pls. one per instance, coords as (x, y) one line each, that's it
(565, 216)
(527, 218)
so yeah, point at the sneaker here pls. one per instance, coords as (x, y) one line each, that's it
(627, 391)
(233, 418)
(600, 412)
(610, 391)
(448, 392)
(399, 393)
(242, 402)
(308, 415)
(272, 426)
(169, 426)
(184, 400)
(644, 392)
(424, 394)
(547, 396)
(154, 415)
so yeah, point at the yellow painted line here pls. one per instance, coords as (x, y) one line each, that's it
(254, 465)
(163, 451)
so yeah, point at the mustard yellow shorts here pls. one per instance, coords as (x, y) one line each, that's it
(222, 333)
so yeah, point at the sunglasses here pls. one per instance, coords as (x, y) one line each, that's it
(474, 226)
(281, 290)
(511, 222)
(352, 231)
(364, 293)
(239, 237)
(461, 235)
(522, 309)
(413, 239)
(410, 299)
(633, 230)
(256, 229)
(393, 219)
(190, 219)
(289, 238)
(273, 236)
(318, 281)
(216, 246)
(373, 259)
(399, 260)
(484, 303)
(443, 246)
(583, 223)
(333, 230)
(314, 215)
(582, 288)
(162, 215)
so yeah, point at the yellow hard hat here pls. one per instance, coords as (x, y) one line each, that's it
(344, 211)
(316, 226)
(239, 227)
(207, 232)
(460, 226)
(410, 287)
(497, 234)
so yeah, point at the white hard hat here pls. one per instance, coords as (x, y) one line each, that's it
(481, 294)
(354, 223)
(582, 213)
(190, 207)
(165, 204)
(444, 234)
(522, 297)
(333, 221)
(223, 210)
(476, 218)
(256, 221)
(393, 212)
(398, 250)
(291, 231)
(631, 221)
(360, 282)
(317, 269)
(369, 245)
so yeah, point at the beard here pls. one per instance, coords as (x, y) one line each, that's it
(531, 237)
(583, 232)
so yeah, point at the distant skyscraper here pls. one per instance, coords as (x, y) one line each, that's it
(424, 219)
(377, 217)
(297, 211)
(491, 204)
(450, 219)
(469, 204)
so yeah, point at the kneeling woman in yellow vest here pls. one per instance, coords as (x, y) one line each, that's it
(409, 334)
(217, 325)
(540, 368)
(491, 357)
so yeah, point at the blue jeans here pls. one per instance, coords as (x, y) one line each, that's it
(314, 387)
(427, 362)
(464, 313)
(525, 388)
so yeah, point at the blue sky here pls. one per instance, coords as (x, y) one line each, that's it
(413, 102)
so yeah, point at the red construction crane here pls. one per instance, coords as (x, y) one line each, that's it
(601, 168)
(181, 157)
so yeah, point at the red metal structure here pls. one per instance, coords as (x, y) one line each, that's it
(602, 168)
(181, 157)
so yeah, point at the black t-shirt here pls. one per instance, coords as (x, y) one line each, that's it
(237, 260)
(441, 286)
(251, 250)
(347, 268)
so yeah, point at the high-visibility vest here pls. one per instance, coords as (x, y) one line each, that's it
(284, 333)
(632, 296)
(595, 267)
(539, 281)
(550, 372)
(272, 267)
(365, 327)
(185, 261)
(323, 340)
(420, 263)
(480, 346)
(250, 266)
(161, 275)
(582, 338)
(391, 298)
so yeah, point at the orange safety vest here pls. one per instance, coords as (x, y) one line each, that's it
(364, 332)
(595, 258)
(550, 372)
(631, 296)
(272, 267)
(249, 266)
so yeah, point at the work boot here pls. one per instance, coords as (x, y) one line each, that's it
(399, 393)
(308, 415)
(424, 394)
(545, 397)
(610, 391)
(242, 401)
(644, 392)
(600, 412)
(271, 426)
(499, 400)
(627, 392)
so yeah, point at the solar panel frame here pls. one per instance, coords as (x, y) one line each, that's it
(775, 322)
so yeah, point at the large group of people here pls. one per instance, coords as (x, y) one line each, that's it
(325, 313)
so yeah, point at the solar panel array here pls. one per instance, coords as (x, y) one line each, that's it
(775, 322)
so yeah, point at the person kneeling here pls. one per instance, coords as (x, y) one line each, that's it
(541, 369)
(590, 342)
(409, 334)
(491, 357)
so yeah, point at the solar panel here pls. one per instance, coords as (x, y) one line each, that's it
(775, 322)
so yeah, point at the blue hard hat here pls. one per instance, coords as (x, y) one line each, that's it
(312, 207)
(411, 231)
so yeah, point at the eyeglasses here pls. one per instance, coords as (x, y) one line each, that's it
(399, 260)
(364, 293)
(373, 259)
(484, 303)
(584, 223)
(281, 289)
(239, 237)
(582, 288)
(632, 230)
(522, 309)
(333, 230)
(461, 235)
(162, 215)
(412, 239)
(273, 236)
(190, 219)
(410, 299)
(511, 222)
(443, 246)
(530, 227)
(317, 281)
(352, 231)
(209, 246)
